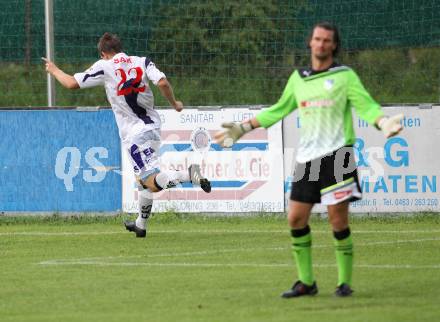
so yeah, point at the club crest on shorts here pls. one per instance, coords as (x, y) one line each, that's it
(200, 140)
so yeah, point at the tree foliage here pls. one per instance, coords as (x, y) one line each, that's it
(218, 33)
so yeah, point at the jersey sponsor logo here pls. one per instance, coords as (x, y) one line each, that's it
(318, 103)
(328, 84)
(342, 194)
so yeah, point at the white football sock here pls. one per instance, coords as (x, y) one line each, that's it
(145, 205)
(169, 179)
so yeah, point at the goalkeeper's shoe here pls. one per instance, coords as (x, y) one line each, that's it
(196, 178)
(343, 290)
(131, 226)
(300, 289)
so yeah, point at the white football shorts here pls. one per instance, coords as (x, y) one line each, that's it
(143, 149)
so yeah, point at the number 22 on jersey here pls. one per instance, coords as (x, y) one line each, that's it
(126, 87)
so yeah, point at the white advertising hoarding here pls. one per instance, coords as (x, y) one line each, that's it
(246, 178)
(399, 174)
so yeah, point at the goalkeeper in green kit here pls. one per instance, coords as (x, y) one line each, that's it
(325, 170)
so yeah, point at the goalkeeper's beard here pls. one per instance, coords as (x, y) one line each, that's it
(323, 57)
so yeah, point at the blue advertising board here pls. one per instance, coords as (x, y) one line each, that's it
(59, 160)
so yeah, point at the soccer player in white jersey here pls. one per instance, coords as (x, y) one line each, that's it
(126, 81)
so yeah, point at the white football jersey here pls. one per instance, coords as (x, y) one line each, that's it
(125, 79)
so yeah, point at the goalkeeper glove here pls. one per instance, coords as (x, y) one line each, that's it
(233, 132)
(390, 126)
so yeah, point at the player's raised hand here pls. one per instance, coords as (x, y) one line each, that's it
(391, 126)
(68, 81)
(50, 66)
(232, 133)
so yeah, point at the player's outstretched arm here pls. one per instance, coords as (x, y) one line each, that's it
(234, 131)
(167, 91)
(68, 81)
(390, 126)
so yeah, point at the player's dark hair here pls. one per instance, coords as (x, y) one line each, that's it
(109, 43)
(331, 27)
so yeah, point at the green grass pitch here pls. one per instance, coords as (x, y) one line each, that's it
(200, 268)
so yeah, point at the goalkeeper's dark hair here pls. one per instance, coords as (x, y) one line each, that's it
(109, 43)
(331, 27)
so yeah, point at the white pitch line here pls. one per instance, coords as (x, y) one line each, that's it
(44, 234)
(103, 261)
(213, 252)
(399, 241)
(233, 250)
(94, 233)
(236, 250)
(254, 265)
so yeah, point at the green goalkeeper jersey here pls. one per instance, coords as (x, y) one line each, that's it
(325, 100)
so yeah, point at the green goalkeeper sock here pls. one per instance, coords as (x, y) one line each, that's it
(302, 252)
(344, 256)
